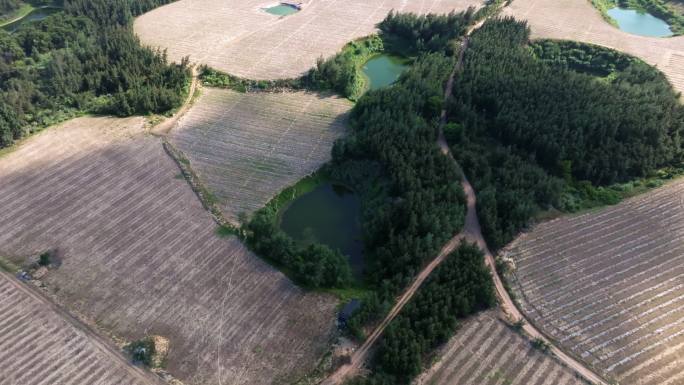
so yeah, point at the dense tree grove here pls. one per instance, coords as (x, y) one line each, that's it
(413, 33)
(83, 59)
(405, 33)
(412, 198)
(312, 265)
(9, 5)
(542, 125)
(460, 286)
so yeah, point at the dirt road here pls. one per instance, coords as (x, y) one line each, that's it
(471, 233)
(167, 125)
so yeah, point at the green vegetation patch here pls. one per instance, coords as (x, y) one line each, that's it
(459, 287)
(84, 59)
(558, 126)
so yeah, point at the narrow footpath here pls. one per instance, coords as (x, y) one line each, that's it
(471, 233)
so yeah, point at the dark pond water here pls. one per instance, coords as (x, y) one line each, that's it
(383, 70)
(35, 15)
(328, 215)
(640, 23)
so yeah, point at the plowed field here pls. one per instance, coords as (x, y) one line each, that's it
(609, 286)
(248, 147)
(139, 256)
(485, 351)
(579, 20)
(239, 37)
(39, 346)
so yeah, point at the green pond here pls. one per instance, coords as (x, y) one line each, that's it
(383, 70)
(328, 215)
(640, 23)
(281, 10)
(35, 15)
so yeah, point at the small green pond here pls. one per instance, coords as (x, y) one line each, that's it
(282, 10)
(640, 23)
(35, 15)
(383, 70)
(328, 215)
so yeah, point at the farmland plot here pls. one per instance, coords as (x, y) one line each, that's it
(139, 256)
(39, 346)
(579, 20)
(238, 37)
(248, 147)
(609, 286)
(485, 351)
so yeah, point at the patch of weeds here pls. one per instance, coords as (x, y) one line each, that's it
(44, 259)
(7, 266)
(540, 344)
(518, 325)
(225, 231)
(179, 176)
(141, 351)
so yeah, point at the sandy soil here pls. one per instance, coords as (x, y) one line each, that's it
(238, 37)
(140, 256)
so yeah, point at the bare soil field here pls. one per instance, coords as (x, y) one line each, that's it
(39, 346)
(486, 351)
(579, 20)
(609, 285)
(248, 147)
(139, 256)
(239, 37)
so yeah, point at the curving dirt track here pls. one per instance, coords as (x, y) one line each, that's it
(238, 37)
(472, 233)
(140, 256)
(579, 20)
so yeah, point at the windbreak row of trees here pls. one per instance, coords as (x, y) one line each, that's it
(549, 125)
(459, 287)
(85, 59)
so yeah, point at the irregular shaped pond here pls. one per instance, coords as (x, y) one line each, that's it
(282, 9)
(328, 215)
(640, 23)
(35, 15)
(383, 70)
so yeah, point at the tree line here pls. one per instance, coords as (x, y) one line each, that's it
(85, 59)
(550, 124)
(459, 287)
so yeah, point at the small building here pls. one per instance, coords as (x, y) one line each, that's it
(347, 311)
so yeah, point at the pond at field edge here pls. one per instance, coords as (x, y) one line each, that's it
(35, 15)
(330, 215)
(640, 23)
(281, 10)
(383, 70)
